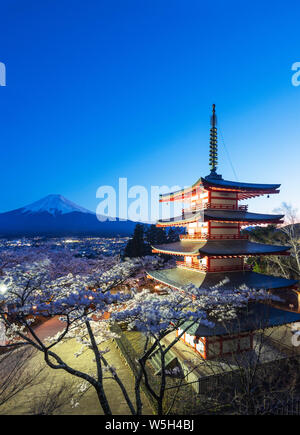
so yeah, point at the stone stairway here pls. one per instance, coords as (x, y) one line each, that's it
(155, 360)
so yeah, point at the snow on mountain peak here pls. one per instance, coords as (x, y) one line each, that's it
(54, 204)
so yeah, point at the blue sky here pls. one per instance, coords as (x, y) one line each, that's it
(98, 90)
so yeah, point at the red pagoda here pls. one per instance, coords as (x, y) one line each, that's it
(213, 248)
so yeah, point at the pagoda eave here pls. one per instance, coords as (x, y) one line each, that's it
(246, 222)
(181, 194)
(243, 190)
(179, 253)
(178, 278)
(221, 215)
(256, 316)
(210, 183)
(182, 223)
(244, 194)
(190, 254)
(220, 248)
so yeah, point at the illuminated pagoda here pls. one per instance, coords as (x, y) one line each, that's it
(213, 248)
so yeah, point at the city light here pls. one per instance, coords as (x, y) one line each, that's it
(3, 289)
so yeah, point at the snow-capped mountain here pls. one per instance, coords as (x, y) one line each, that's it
(54, 204)
(56, 216)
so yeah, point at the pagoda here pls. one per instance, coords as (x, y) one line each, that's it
(213, 248)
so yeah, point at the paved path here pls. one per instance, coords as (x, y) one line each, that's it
(49, 328)
(50, 378)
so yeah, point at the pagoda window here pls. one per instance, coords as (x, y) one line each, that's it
(224, 228)
(223, 198)
(213, 348)
(203, 261)
(226, 262)
(245, 343)
(200, 346)
(190, 339)
(180, 332)
(220, 194)
(230, 345)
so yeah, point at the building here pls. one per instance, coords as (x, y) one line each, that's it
(214, 248)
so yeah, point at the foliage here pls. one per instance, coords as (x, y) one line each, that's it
(137, 245)
(145, 237)
(91, 301)
(287, 235)
(15, 374)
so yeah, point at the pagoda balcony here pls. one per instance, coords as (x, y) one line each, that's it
(226, 206)
(209, 205)
(191, 266)
(200, 268)
(213, 237)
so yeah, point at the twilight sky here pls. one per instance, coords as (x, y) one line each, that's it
(102, 89)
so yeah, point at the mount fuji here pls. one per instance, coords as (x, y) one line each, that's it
(56, 216)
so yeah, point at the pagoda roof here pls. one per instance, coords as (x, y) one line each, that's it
(219, 182)
(220, 215)
(179, 278)
(244, 190)
(240, 216)
(220, 248)
(191, 216)
(255, 316)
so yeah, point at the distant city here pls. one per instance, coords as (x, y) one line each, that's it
(90, 247)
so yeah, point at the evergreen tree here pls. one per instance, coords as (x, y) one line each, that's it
(173, 234)
(136, 247)
(143, 238)
(156, 235)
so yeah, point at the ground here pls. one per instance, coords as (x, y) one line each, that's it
(50, 378)
(207, 376)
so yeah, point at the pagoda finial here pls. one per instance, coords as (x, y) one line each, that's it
(213, 147)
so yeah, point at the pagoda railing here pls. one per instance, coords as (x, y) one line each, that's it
(192, 266)
(226, 206)
(201, 268)
(214, 237)
(209, 205)
(230, 268)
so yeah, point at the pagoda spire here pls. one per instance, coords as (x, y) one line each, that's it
(213, 147)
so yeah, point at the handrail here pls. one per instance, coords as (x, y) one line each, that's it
(213, 237)
(214, 268)
(209, 205)
(191, 266)
(226, 206)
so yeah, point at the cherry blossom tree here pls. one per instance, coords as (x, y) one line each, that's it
(15, 374)
(157, 316)
(36, 289)
(89, 298)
